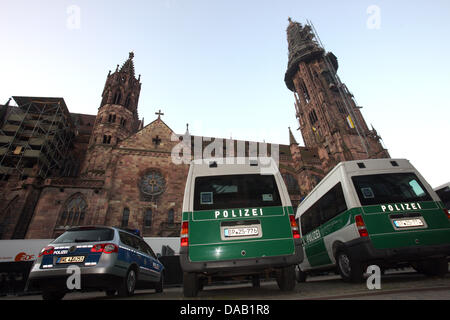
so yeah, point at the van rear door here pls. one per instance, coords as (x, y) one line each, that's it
(238, 216)
(399, 212)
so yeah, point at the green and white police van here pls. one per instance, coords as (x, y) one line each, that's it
(237, 221)
(378, 211)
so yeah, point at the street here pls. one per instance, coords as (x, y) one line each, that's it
(403, 284)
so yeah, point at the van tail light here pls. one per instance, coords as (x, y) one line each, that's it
(105, 248)
(294, 227)
(447, 213)
(184, 235)
(46, 251)
(361, 226)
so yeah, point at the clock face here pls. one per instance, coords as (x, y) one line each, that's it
(153, 183)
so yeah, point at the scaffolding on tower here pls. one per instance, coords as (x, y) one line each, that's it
(36, 137)
(344, 93)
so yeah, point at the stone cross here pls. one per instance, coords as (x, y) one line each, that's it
(159, 113)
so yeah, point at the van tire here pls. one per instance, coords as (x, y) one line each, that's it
(350, 269)
(434, 267)
(286, 278)
(190, 284)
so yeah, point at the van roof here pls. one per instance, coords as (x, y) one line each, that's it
(442, 186)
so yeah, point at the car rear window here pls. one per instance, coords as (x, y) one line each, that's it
(235, 191)
(389, 188)
(86, 235)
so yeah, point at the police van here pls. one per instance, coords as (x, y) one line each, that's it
(237, 221)
(378, 211)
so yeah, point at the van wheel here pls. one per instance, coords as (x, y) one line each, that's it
(128, 284)
(433, 267)
(190, 284)
(286, 278)
(349, 269)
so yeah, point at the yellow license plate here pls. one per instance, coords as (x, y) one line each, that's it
(72, 259)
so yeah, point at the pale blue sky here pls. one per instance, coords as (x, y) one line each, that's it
(219, 65)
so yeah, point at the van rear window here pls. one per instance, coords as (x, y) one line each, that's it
(235, 191)
(389, 188)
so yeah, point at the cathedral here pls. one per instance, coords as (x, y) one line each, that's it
(60, 169)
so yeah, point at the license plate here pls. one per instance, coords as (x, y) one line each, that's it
(406, 223)
(241, 232)
(71, 259)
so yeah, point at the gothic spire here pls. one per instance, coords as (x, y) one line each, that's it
(291, 138)
(301, 47)
(128, 66)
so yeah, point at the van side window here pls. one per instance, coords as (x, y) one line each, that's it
(326, 208)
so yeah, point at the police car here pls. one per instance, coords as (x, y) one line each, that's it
(96, 257)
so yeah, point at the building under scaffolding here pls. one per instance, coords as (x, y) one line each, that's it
(36, 137)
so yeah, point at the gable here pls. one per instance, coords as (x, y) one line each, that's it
(156, 136)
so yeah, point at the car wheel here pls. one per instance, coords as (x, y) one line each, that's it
(286, 278)
(53, 295)
(128, 284)
(349, 269)
(190, 284)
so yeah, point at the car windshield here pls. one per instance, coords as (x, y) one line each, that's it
(86, 235)
(235, 191)
(389, 188)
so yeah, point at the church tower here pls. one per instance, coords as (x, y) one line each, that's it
(117, 116)
(330, 121)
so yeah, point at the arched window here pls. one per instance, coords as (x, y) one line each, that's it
(304, 91)
(125, 217)
(170, 217)
(117, 97)
(148, 218)
(74, 212)
(128, 101)
(313, 117)
(106, 139)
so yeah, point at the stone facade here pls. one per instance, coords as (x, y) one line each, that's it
(124, 173)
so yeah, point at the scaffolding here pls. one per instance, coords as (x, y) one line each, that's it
(36, 137)
(343, 92)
